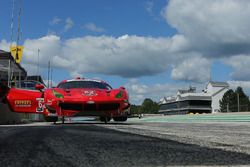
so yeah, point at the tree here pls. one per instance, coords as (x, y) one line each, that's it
(243, 99)
(149, 106)
(229, 101)
(134, 109)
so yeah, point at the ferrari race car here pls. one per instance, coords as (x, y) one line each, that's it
(76, 97)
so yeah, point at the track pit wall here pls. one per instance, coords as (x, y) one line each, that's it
(7, 116)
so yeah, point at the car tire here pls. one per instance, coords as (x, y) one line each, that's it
(105, 119)
(51, 119)
(120, 119)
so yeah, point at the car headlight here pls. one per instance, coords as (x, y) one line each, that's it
(57, 94)
(119, 94)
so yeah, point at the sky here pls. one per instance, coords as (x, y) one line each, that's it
(152, 47)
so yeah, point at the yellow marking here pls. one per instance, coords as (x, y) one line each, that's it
(22, 102)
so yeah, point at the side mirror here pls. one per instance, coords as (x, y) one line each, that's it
(39, 87)
(122, 88)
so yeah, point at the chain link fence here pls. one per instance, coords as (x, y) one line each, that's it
(236, 108)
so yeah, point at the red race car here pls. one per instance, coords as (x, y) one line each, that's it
(76, 97)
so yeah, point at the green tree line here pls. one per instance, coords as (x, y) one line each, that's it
(231, 99)
(148, 106)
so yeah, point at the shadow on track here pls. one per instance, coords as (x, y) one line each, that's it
(92, 123)
(85, 144)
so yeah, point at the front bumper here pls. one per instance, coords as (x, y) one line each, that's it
(89, 107)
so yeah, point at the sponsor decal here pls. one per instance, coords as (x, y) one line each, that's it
(40, 106)
(89, 93)
(22, 103)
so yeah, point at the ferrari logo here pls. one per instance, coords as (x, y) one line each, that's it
(89, 93)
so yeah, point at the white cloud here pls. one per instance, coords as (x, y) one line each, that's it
(138, 91)
(93, 27)
(208, 29)
(220, 21)
(51, 32)
(56, 20)
(68, 24)
(50, 48)
(50, 83)
(149, 6)
(195, 68)
(125, 56)
(244, 84)
(103, 54)
(240, 65)
(4, 45)
(214, 29)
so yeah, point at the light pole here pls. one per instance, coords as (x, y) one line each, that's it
(38, 52)
(48, 73)
(238, 101)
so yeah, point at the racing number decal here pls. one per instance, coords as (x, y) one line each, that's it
(40, 106)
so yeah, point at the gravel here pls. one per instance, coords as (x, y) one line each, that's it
(94, 144)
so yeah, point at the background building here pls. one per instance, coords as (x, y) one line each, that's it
(216, 90)
(189, 101)
(9, 68)
(13, 73)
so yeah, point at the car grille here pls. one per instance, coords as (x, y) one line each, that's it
(69, 106)
(90, 107)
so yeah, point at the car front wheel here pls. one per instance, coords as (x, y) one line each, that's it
(51, 119)
(120, 119)
(105, 119)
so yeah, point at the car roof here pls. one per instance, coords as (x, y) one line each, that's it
(85, 79)
(82, 79)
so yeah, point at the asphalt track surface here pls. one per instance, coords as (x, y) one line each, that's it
(94, 144)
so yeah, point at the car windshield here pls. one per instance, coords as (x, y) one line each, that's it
(84, 84)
